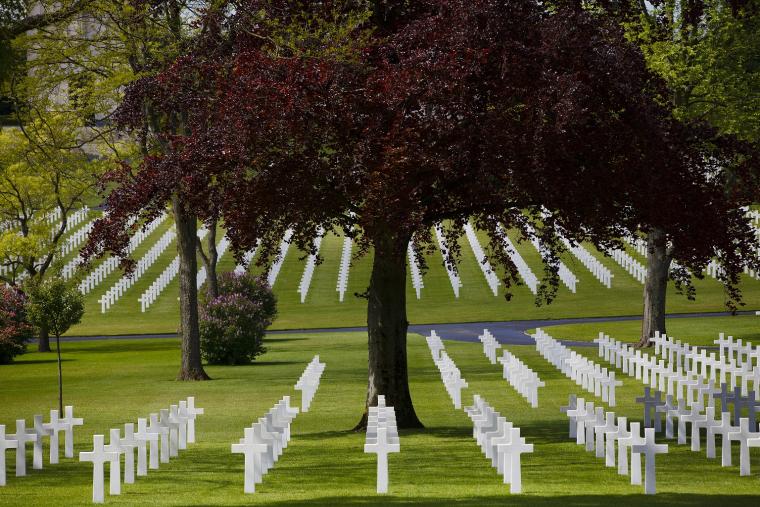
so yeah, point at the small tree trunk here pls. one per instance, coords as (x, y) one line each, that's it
(387, 327)
(187, 230)
(210, 261)
(43, 345)
(655, 286)
(60, 376)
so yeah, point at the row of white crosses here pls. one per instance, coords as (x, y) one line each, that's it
(499, 440)
(584, 372)
(525, 381)
(491, 279)
(274, 271)
(565, 275)
(36, 435)
(264, 442)
(414, 270)
(308, 383)
(600, 431)
(150, 295)
(247, 258)
(594, 265)
(75, 239)
(381, 439)
(345, 266)
(72, 220)
(105, 268)
(450, 374)
(168, 432)
(124, 283)
(490, 345)
(451, 270)
(523, 269)
(221, 249)
(627, 262)
(308, 270)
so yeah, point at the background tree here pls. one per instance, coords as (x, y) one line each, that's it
(56, 305)
(522, 120)
(706, 51)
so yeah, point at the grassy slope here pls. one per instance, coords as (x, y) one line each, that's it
(476, 302)
(324, 463)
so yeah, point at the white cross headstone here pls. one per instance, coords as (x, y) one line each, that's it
(22, 436)
(143, 436)
(619, 431)
(722, 429)
(114, 446)
(128, 443)
(649, 449)
(252, 452)
(634, 438)
(192, 412)
(71, 421)
(515, 448)
(5, 444)
(156, 426)
(744, 434)
(99, 456)
(55, 426)
(41, 431)
(382, 447)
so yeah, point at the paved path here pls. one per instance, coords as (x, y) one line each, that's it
(509, 332)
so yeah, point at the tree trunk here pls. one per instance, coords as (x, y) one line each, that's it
(187, 230)
(60, 375)
(210, 261)
(655, 286)
(43, 345)
(387, 327)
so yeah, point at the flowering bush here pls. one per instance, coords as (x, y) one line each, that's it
(232, 325)
(15, 330)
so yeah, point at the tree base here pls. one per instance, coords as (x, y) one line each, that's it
(193, 375)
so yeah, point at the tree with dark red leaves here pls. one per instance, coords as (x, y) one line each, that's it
(425, 112)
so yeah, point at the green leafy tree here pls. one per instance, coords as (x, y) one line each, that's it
(57, 305)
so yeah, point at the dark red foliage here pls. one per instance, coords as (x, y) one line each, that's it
(495, 111)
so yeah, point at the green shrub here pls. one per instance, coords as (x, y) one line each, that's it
(233, 325)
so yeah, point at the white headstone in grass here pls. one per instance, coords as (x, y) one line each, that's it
(114, 446)
(514, 449)
(193, 412)
(22, 436)
(71, 421)
(143, 436)
(180, 421)
(722, 429)
(743, 434)
(616, 436)
(705, 422)
(128, 443)
(634, 438)
(41, 431)
(498, 458)
(166, 421)
(5, 444)
(601, 430)
(382, 447)
(252, 452)
(610, 436)
(163, 433)
(650, 449)
(99, 456)
(572, 403)
(55, 426)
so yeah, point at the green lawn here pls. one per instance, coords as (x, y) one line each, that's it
(695, 331)
(113, 382)
(437, 304)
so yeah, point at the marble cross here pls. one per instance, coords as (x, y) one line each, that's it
(143, 436)
(55, 426)
(633, 438)
(743, 434)
(723, 429)
(572, 403)
(706, 422)
(156, 426)
(601, 430)
(22, 436)
(252, 452)
(128, 443)
(5, 444)
(382, 446)
(515, 448)
(619, 431)
(99, 456)
(650, 403)
(68, 439)
(114, 445)
(41, 431)
(649, 449)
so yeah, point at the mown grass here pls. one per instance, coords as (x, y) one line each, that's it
(117, 381)
(437, 304)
